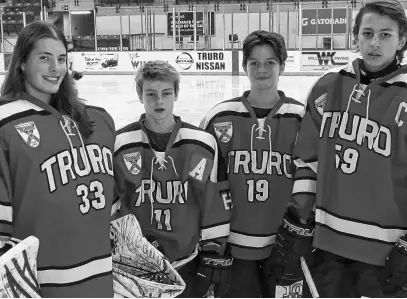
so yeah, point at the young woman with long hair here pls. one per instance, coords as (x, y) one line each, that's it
(56, 173)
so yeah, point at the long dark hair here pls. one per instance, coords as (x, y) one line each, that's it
(391, 8)
(65, 99)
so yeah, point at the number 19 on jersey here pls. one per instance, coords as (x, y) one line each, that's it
(257, 190)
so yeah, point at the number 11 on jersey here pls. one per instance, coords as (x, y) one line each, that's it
(257, 190)
(163, 219)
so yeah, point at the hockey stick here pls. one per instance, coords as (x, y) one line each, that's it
(211, 292)
(308, 278)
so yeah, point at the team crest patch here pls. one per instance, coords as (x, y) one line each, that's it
(320, 103)
(133, 162)
(29, 133)
(224, 131)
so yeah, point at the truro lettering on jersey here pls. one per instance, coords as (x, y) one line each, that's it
(357, 129)
(259, 162)
(70, 166)
(170, 193)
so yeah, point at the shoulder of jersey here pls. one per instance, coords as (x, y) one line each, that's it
(290, 108)
(329, 78)
(189, 133)
(96, 111)
(133, 135)
(399, 79)
(343, 70)
(229, 107)
(130, 136)
(135, 126)
(12, 110)
(292, 101)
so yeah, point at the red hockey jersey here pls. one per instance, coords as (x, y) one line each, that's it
(175, 195)
(257, 156)
(58, 187)
(355, 137)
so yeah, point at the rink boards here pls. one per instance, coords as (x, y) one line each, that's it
(307, 62)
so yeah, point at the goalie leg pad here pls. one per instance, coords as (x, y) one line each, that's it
(139, 269)
(18, 270)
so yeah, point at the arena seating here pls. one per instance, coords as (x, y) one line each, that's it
(13, 14)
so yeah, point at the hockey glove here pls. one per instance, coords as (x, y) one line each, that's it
(293, 240)
(395, 270)
(77, 75)
(214, 270)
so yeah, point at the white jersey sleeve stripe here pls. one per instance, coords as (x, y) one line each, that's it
(390, 235)
(291, 108)
(76, 274)
(179, 263)
(115, 207)
(214, 170)
(214, 232)
(225, 106)
(305, 186)
(204, 137)
(251, 241)
(130, 137)
(399, 78)
(6, 213)
(301, 164)
(15, 107)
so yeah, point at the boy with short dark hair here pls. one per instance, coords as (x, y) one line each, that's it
(166, 174)
(350, 192)
(256, 133)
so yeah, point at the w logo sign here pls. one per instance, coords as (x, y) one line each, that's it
(18, 271)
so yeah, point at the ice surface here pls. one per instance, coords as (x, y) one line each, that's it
(198, 94)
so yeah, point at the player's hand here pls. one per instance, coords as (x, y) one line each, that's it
(215, 270)
(394, 273)
(293, 240)
(77, 75)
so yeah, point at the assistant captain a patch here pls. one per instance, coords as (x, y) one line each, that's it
(224, 131)
(29, 133)
(200, 167)
(133, 162)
